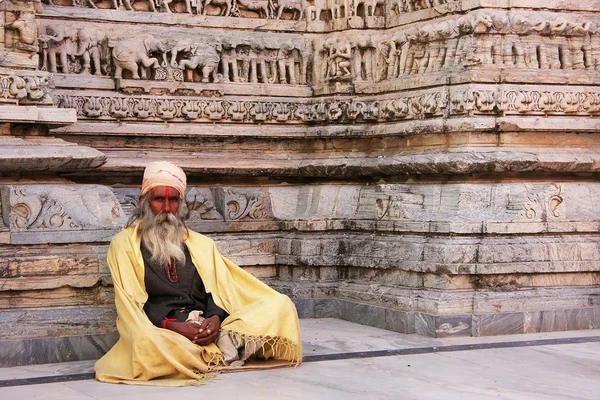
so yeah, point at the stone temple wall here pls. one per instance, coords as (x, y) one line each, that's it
(423, 166)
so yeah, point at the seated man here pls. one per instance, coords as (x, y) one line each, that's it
(165, 276)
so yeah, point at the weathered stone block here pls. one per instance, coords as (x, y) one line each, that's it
(327, 308)
(34, 268)
(305, 308)
(399, 321)
(363, 314)
(57, 321)
(425, 324)
(55, 349)
(499, 324)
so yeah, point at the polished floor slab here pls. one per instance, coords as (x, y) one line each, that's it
(350, 361)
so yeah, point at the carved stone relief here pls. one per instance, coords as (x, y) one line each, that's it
(199, 204)
(55, 208)
(203, 204)
(406, 6)
(237, 205)
(506, 204)
(24, 30)
(426, 104)
(19, 34)
(295, 10)
(24, 87)
(544, 203)
(88, 49)
(265, 9)
(480, 39)
(407, 205)
(520, 100)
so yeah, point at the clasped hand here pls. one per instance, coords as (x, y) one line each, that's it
(201, 334)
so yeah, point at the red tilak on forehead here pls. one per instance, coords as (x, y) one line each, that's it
(167, 192)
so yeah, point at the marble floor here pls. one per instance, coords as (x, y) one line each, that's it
(348, 361)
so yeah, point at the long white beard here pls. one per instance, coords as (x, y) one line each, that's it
(163, 235)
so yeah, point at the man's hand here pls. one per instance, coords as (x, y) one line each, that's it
(187, 329)
(201, 334)
(209, 331)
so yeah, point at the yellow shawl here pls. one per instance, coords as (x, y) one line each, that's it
(145, 354)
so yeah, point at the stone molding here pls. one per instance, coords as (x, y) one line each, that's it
(509, 209)
(432, 103)
(34, 213)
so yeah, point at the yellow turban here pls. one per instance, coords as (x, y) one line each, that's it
(163, 173)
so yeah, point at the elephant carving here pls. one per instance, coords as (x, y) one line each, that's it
(197, 55)
(297, 7)
(135, 55)
(264, 8)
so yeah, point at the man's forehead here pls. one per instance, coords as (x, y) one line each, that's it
(164, 191)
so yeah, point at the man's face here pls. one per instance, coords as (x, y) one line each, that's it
(164, 199)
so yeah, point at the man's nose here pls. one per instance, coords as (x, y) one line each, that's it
(166, 206)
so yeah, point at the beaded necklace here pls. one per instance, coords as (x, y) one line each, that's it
(171, 271)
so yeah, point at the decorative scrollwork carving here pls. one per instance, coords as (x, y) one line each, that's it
(240, 206)
(25, 87)
(39, 213)
(544, 204)
(200, 206)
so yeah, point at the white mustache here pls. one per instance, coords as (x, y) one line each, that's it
(165, 218)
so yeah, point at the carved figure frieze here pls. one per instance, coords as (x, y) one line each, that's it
(58, 40)
(262, 8)
(480, 39)
(74, 50)
(136, 55)
(88, 50)
(296, 7)
(265, 9)
(405, 6)
(199, 57)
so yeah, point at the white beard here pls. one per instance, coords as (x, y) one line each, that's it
(163, 235)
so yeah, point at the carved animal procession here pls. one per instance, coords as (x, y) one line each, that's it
(507, 40)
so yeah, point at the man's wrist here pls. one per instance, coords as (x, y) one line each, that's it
(166, 321)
